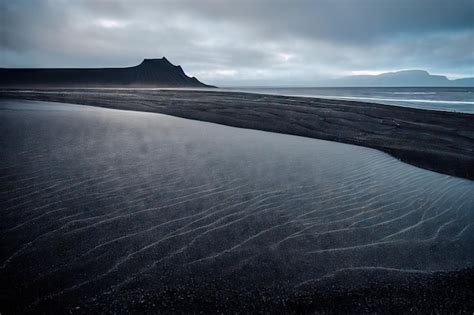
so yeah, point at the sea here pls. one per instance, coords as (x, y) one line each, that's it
(455, 99)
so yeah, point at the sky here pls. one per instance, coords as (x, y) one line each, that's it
(246, 42)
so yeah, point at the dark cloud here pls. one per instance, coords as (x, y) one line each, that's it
(222, 42)
(339, 20)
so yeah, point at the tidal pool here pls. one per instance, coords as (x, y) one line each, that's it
(95, 201)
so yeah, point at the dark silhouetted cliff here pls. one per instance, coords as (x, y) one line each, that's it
(150, 73)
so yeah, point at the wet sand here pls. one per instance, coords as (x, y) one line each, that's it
(108, 211)
(438, 141)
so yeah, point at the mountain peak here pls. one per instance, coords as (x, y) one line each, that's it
(411, 71)
(155, 61)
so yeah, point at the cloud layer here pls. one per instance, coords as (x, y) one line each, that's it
(243, 42)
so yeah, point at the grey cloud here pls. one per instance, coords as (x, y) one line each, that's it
(234, 41)
(337, 19)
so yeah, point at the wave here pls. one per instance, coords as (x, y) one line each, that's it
(382, 99)
(397, 99)
(414, 93)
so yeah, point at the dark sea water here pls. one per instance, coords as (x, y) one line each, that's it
(97, 202)
(458, 99)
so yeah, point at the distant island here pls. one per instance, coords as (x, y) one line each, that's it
(401, 78)
(149, 73)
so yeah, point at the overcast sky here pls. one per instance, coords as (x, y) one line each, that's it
(244, 42)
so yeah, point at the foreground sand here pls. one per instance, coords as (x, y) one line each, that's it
(108, 211)
(438, 141)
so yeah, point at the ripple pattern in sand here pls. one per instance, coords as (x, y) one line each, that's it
(95, 199)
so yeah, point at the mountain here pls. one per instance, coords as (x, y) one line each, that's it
(401, 78)
(464, 82)
(149, 73)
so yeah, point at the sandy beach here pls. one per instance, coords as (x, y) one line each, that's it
(236, 157)
(434, 140)
(109, 211)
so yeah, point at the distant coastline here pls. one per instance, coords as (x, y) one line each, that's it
(396, 79)
(413, 78)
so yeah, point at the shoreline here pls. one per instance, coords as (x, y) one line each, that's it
(439, 141)
(371, 100)
(114, 211)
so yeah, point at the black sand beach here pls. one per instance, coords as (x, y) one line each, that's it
(308, 157)
(440, 292)
(109, 211)
(438, 141)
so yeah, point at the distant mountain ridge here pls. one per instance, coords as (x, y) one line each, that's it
(149, 73)
(402, 78)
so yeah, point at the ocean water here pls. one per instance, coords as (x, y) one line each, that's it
(457, 99)
(94, 199)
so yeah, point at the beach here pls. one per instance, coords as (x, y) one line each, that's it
(124, 211)
(434, 140)
(237, 157)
